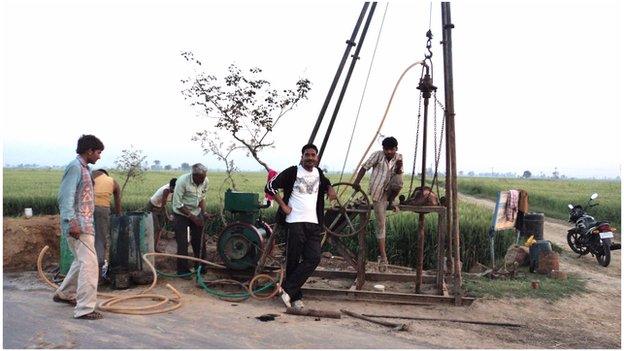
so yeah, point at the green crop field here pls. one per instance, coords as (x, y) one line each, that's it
(553, 196)
(37, 189)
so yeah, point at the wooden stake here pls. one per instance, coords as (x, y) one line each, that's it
(420, 253)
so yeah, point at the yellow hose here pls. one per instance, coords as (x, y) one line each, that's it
(113, 299)
(107, 305)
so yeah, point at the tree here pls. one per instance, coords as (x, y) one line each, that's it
(156, 166)
(242, 104)
(167, 167)
(211, 143)
(130, 165)
(526, 174)
(185, 166)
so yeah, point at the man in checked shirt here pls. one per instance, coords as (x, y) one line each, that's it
(385, 184)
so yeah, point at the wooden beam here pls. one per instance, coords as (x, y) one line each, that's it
(375, 277)
(422, 209)
(361, 259)
(441, 246)
(387, 297)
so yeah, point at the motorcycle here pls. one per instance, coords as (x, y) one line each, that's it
(589, 235)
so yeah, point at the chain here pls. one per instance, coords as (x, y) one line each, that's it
(439, 147)
(416, 145)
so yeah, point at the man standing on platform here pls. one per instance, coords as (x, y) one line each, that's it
(385, 184)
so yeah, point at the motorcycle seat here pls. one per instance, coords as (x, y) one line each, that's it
(599, 223)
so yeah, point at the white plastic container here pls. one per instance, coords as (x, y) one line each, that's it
(28, 212)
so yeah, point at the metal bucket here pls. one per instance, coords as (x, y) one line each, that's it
(533, 225)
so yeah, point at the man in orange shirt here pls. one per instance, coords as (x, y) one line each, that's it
(104, 186)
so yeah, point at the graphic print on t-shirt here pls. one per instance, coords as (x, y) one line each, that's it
(307, 185)
(304, 197)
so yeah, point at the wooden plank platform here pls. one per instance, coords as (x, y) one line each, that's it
(385, 297)
(375, 277)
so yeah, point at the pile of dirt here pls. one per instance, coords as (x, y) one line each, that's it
(23, 239)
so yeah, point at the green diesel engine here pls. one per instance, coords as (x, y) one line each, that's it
(241, 242)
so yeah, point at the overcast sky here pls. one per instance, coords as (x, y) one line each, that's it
(537, 83)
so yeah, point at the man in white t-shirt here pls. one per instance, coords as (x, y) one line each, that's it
(157, 205)
(301, 211)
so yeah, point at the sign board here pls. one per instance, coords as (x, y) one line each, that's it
(499, 222)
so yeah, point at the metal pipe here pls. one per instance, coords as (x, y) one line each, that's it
(426, 87)
(345, 55)
(354, 59)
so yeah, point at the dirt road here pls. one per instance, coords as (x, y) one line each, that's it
(592, 320)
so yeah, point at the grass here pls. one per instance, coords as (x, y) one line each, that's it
(553, 196)
(550, 289)
(37, 189)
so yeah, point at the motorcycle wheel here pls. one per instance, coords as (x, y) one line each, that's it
(604, 256)
(573, 242)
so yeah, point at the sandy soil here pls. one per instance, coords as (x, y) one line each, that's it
(23, 238)
(590, 320)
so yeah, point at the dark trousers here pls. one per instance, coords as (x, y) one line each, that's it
(303, 256)
(180, 223)
(101, 222)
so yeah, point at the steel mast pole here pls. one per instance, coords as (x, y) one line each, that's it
(345, 55)
(345, 84)
(447, 26)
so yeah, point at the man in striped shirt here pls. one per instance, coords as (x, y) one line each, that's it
(385, 184)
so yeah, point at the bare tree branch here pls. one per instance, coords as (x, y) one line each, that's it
(247, 108)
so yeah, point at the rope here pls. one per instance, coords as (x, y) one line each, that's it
(357, 116)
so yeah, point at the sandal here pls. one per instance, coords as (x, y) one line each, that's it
(56, 298)
(92, 316)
